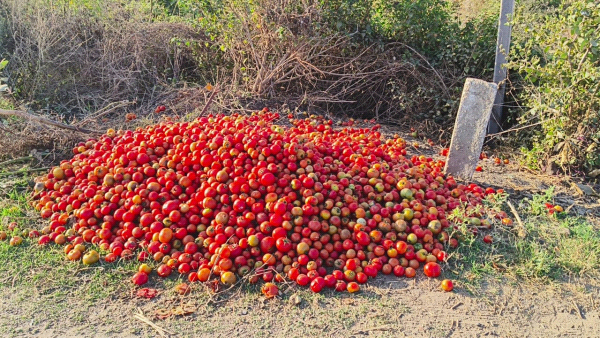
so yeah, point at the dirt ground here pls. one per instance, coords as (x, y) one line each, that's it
(390, 308)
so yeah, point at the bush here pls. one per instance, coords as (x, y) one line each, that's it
(383, 59)
(84, 55)
(557, 58)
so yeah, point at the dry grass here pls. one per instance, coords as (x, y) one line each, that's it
(82, 60)
(70, 64)
(282, 53)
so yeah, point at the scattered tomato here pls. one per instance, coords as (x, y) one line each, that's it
(447, 285)
(16, 241)
(270, 290)
(353, 287)
(432, 270)
(91, 257)
(140, 278)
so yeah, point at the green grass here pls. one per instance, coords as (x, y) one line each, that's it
(46, 269)
(546, 248)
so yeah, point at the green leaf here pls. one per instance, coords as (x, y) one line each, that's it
(3, 63)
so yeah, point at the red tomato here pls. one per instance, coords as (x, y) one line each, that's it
(330, 281)
(140, 278)
(363, 238)
(302, 279)
(317, 284)
(164, 270)
(353, 287)
(283, 244)
(442, 256)
(432, 270)
(447, 285)
(351, 264)
(341, 286)
(398, 271)
(267, 244)
(361, 278)
(270, 290)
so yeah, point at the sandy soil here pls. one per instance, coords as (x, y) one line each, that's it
(390, 308)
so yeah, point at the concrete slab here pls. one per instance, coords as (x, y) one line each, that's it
(470, 128)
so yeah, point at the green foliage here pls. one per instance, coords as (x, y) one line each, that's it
(557, 55)
(555, 245)
(3, 86)
(424, 24)
(429, 26)
(545, 247)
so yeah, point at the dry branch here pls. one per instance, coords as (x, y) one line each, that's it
(28, 171)
(106, 110)
(210, 99)
(161, 331)
(521, 231)
(16, 160)
(45, 121)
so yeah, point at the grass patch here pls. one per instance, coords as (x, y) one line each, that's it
(547, 247)
(14, 205)
(46, 270)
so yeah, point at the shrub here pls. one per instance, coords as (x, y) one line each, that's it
(557, 57)
(376, 58)
(84, 54)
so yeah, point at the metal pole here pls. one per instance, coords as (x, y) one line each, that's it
(507, 8)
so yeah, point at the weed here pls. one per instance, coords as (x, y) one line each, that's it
(554, 245)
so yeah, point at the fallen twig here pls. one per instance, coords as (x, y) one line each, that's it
(140, 316)
(380, 328)
(106, 110)
(16, 160)
(456, 305)
(514, 211)
(491, 137)
(430, 67)
(454, 326)
(210, 99)
(578, 310)
(43, 120)
(28, 171)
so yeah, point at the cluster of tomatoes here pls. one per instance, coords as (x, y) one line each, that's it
(246, 197)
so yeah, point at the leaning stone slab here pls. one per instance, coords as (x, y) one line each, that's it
(470, 128)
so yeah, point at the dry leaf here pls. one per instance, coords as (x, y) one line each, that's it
(162, 313)
(147, 293)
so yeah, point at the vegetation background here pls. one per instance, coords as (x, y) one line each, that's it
(400, 62)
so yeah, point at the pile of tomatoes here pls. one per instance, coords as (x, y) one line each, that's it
(260, 197)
